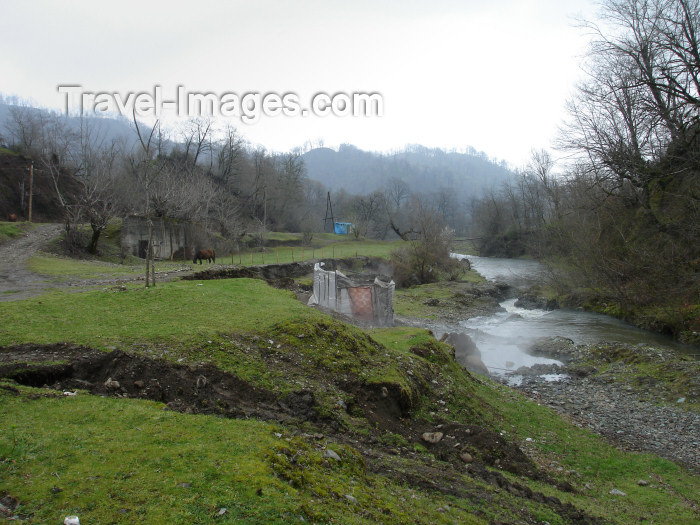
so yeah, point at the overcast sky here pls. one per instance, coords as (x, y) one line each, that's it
(493, 75)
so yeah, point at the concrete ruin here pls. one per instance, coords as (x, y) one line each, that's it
(366, 297)
(172, 239)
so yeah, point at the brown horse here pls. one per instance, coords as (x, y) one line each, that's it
(209, 255)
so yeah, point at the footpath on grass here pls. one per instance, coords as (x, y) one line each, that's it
(16, 280)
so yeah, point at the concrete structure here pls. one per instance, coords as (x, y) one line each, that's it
(172, 239)
(366, 297)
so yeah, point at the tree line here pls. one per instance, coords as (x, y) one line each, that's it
(622, 218)
(201, 173)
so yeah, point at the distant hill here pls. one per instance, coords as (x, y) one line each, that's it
(423, 169)
(107, 128)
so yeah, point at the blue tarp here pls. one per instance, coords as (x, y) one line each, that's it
(342, 228)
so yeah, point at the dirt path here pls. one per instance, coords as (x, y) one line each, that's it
(16, 280)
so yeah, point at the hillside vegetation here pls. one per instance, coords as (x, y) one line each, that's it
(424, 170)
(619, 224)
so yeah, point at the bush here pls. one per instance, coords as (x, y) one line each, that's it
(426, 260)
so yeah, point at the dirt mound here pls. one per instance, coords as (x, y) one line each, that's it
(280, 272)
(201, 389)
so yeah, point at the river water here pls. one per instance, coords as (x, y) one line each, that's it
(504, 337)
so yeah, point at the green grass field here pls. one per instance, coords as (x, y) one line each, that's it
(65, 267)
(181, 312)
(110, 262)
(336, 247)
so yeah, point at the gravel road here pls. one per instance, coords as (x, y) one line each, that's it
(16, 280)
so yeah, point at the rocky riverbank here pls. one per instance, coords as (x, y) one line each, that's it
(640, 397)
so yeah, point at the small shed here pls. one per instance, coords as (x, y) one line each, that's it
(342, 228)
(366, 297)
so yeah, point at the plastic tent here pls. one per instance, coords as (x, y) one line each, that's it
(342, 228)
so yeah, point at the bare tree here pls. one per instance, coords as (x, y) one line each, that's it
(396, 192)
(642, 92)
(230, 153)
(96, 170)
(148, 169)
(24, 128)
(366, 214)
(195, 136)
(427, 257)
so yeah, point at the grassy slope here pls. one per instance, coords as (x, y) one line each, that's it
(183, 311)
(11, 230)
(411, 302)
(126, 461)
(337, 247)
(72, 443)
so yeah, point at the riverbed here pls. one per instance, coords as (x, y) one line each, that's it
(503, 338)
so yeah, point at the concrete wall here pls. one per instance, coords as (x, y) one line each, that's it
(172, 239)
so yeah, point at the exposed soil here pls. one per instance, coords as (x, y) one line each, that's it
(202, 389)
(74, 370)
(14, 177)
(281, 274)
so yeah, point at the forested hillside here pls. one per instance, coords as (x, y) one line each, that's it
(621, 223)
(424, 170)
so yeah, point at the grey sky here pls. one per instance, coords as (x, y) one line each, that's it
(493, 75)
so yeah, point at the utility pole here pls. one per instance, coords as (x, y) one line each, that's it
(31, 189)
(329, 216)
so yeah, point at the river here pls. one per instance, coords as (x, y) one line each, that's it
(503, 338)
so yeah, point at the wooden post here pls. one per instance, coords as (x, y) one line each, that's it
(277, 252)
(31, 189)
(251, 258)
